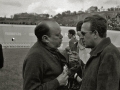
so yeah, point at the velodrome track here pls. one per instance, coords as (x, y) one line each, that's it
(22, 36)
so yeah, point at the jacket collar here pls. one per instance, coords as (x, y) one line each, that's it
(47, 47)
(100, 47)
(55, 52)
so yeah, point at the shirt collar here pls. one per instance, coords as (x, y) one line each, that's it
(100, 47)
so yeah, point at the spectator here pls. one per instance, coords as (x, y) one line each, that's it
(72, 37)
(80, 45)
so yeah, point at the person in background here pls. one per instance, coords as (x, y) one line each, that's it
(102, 70)
(77, 56)
(72, 37)
(82, 55)
(79, 46)
(43, 65)
(1, 57)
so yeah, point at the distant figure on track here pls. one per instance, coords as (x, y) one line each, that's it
(72, 37)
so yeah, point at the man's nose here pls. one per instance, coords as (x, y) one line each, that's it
(61, 36)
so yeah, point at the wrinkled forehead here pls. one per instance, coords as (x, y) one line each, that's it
(86, 26)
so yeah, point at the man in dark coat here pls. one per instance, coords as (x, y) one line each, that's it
(72, 37)
(102, 71)
(43, 66)
(78, 64)
(1, 57)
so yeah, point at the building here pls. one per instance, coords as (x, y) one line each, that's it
(92, 9)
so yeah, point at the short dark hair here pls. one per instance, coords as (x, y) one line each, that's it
(79, 25)
(40, 30)
(97, 23)
(72, 31)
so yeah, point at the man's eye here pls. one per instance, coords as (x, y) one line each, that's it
(57, 34)
(83, 33)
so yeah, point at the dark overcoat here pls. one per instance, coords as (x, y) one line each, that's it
(102, 71)
(41, 68)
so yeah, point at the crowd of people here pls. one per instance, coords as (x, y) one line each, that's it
(90, 63)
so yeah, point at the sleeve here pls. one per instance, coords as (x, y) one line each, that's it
(77, 67)
(1, 57)
(108, 73)
(81, 69)
(33, 75)
(71, 44)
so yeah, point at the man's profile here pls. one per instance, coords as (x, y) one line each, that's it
(43, 65)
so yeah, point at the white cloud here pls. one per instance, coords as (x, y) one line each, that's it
(87, 4)
(33, 6)
(59, 10)
(11, 3)
(51, 7)
(45, 11)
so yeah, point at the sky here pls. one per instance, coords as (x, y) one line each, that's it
(52, 7)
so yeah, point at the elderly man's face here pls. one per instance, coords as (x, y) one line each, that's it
(55, 38)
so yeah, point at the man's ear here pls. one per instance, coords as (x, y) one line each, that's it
(96, 34)
(45, 38)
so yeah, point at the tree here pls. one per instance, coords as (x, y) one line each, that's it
(74, 13)
(12, 16)
(63, 13)
(47, 15)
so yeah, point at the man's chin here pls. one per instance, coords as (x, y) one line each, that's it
(59, 44)
(87, 46)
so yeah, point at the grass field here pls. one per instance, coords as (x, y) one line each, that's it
(11, 73)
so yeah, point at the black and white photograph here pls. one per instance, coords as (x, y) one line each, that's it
(59, 44)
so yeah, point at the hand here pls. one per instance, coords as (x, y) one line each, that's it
(77, 78)
(68, 49)
(73, 56)
(65, 69)
(63, 77)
